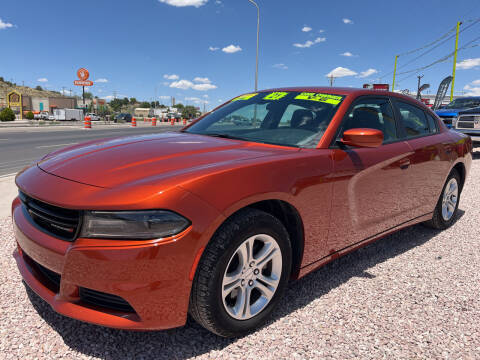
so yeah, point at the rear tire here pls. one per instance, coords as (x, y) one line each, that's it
(446, 209)
(242, 274)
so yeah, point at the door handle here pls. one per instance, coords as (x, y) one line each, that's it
(404, 164)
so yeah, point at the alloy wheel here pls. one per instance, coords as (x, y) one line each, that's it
(252, 277)
(450, 199)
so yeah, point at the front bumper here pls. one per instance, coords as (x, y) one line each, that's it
(152, 276)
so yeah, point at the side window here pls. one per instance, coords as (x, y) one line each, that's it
(372, 113)
(413, 119)
(432, 123)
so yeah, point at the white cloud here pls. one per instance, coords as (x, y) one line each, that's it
(306, 29)
(4, 25)
(341, 72)
(347, 21)
(187, 84)
(309, 43)
(205, 96)
(182, 3)
(468, 63)
(171, 77)
(347, 54)
(42, 80)
(202, 80)
(476, 82)
(203, 87)
(471, 90)
(213, 48)
(181, 84)
(163, 97)
(321, 31)
(367, 73)
(280, 66)
(230, 49)
(101, 80)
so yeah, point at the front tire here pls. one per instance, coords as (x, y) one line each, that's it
(243, 273)
(446, 210)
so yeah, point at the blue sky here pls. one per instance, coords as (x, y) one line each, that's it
(207, 47)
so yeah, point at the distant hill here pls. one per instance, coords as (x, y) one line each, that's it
(6, 87)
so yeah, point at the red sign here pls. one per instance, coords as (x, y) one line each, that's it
(380, 87)
(83, 74)
(83, 83)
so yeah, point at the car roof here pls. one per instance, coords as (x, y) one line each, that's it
(346, 91)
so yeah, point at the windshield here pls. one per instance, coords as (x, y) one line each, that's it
(463, 103)
(283, 118)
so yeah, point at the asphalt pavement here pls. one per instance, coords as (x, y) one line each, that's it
(21, 147)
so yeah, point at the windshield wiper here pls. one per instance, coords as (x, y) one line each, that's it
(224, 136)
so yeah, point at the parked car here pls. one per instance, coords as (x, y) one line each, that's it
(214, 220)
(126, 117)
(43, 115)
(93, 116)
(51, 117)
(449, 112)
(463, 115)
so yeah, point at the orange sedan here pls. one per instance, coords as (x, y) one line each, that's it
(137, 232)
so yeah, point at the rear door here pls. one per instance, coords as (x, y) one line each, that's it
(370, 184)
(431, 157)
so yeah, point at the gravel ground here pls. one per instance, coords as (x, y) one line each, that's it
(414, 294)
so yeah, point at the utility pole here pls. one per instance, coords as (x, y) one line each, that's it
(394, 73)
(454, 61)
(258, 33)
(331, 80)
(418, 86)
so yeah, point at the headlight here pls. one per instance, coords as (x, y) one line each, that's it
(132, 225)
(454, 121)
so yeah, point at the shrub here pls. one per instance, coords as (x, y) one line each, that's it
(7, 114)
(29, 116)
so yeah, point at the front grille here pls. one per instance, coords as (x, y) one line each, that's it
(465, 125)
(468, 122)
(56, 221)
(104, 300)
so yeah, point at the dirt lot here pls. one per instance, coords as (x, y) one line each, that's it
(414, 294)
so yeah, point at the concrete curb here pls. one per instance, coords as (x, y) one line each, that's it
(8, 191)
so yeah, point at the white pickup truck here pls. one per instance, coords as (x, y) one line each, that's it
(43, 115)
(93, 117)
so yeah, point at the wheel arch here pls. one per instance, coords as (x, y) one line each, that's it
(462, 171)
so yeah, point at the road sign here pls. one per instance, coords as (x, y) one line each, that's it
(83, 83)
(83, 74)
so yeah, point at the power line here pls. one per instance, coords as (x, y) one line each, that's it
(430, 44)
(472, 23)
(442, 59)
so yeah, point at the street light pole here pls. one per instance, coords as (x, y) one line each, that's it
(258, 32)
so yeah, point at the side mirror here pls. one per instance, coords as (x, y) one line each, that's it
(369, 138)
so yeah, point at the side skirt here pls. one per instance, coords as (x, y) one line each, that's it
(325, 260)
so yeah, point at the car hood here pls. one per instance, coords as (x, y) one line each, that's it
(170, 157)
(447, 112)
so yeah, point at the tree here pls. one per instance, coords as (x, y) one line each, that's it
(189, 112)
(179, 106)
(29, 115)
(116, 104)
(88, 95)
(133, 100)
(39, 88)
(145, 104)
(7, 114)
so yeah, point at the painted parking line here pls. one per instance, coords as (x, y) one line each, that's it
(56, 145)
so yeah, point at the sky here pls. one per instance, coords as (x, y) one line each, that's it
(203, 51)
